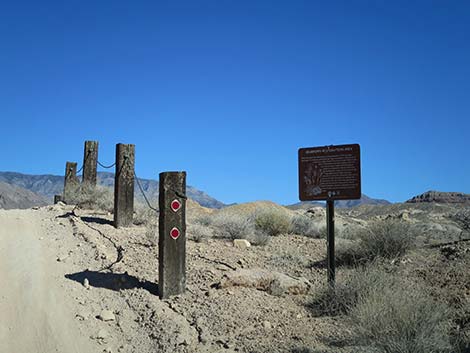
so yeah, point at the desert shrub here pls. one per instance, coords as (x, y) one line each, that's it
(387, 312)
(143, 215)
(232, 225)
(387, 239)
(199, 232)
(204, 220)
(272, 222)
(258, 238)
(151, 233)
(303, 225)
(349, 253)
(91, 197)
(401, 318)
(344, 297)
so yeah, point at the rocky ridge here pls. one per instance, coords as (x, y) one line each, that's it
(440, 197)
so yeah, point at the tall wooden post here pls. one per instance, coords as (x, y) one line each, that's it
(90, 161)
(330, 228)
(172, 234)
(124, 185)
(70, 180)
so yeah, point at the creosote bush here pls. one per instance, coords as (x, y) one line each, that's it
(388, 313)
(272, 222)
(91, 197)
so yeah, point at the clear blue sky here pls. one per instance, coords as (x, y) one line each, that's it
(229, 90)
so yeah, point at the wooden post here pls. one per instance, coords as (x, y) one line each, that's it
(124, 185)
(70, 180)
(90, 161)
(330, 228)
(57, 199)
(172, 234)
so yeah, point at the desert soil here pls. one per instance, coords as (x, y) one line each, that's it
(71, 282)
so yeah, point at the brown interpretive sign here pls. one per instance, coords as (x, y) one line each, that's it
(330, 173)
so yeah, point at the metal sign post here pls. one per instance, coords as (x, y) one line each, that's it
(330, 173)
(330, 229)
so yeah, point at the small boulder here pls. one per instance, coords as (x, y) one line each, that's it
(107, 315)
(241, 243)
(275, 283)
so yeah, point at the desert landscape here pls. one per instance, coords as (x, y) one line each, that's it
(256, 279)
(235, 176)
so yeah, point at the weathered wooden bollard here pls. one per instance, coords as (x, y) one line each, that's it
(124, 185)
(172, 234)
(90, 161)
(70, 180)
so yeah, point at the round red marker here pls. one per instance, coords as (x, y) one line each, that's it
(175, 233)
(175, 205)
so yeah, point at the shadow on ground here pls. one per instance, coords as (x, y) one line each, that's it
(96, 220)
(113, 281)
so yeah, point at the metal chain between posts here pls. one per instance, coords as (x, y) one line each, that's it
(106, 166)
(143, 193)
(84, 162)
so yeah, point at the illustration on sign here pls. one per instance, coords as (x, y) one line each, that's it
(312, 178)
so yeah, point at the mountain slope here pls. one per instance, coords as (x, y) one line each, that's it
(12, 197)
(364, 200)
(50, 185)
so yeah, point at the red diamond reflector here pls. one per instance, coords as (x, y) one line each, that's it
(175, 205)
(175, 233)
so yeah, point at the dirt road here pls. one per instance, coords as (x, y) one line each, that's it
(35, 315)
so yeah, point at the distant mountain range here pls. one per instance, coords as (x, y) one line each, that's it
(42, 189)
(364, 200)
(16, 197)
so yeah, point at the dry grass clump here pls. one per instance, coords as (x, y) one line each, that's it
(91, 197)
(347, 291)
(272, 221)
(388, 313)
(303, 225)
(386, 239)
